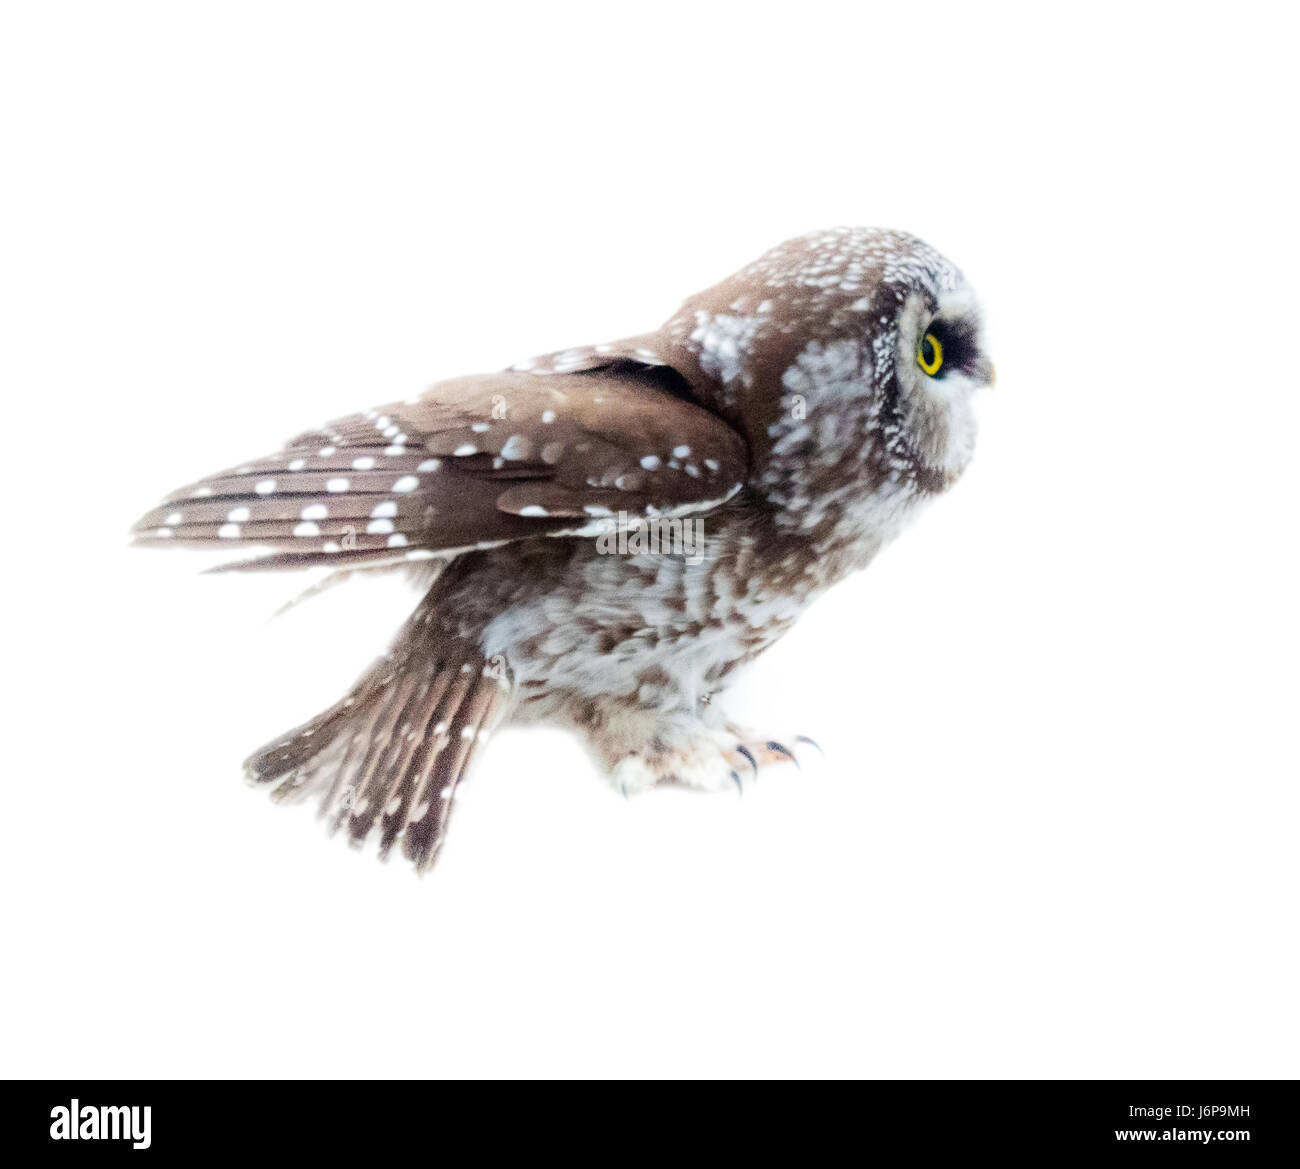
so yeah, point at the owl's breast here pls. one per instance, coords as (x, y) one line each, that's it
(652, 628)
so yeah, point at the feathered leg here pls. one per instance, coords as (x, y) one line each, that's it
(642, 747)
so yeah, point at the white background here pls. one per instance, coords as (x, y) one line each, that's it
(1056, 832)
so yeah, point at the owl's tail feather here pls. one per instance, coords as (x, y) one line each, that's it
(391, 753)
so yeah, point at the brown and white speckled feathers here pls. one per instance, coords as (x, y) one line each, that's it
(470, 463)
(784, 413)
(387, 757)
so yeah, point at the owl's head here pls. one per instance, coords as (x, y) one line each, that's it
(849, 359)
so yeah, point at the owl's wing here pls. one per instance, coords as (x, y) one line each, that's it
(558, 449)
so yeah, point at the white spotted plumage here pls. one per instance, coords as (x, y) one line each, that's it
(783, 410)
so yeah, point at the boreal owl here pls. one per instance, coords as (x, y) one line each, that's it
(606, 533)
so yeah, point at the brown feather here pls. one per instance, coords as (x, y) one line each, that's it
(391, 753)
(473, 462)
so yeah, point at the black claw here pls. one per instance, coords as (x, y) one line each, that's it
(746, 753)
(780, 750)
(740, 787)
(810, 742)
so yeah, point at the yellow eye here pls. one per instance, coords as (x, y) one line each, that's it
(930, 355)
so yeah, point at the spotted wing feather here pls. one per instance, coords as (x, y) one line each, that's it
(473, 462)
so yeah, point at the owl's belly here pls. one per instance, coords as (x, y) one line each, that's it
(655, 631)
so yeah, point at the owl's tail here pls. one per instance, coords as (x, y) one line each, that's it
(390, 753)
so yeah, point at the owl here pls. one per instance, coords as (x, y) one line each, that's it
(605, 534)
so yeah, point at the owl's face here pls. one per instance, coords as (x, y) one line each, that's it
(849, 359)
(939, 364)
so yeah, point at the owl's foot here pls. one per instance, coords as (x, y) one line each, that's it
(709, 760)
(701, 762)
(757, 751)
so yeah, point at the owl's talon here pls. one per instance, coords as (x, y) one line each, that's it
(740, 787)
(760, 751)
(772, 745)
(810, 742)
